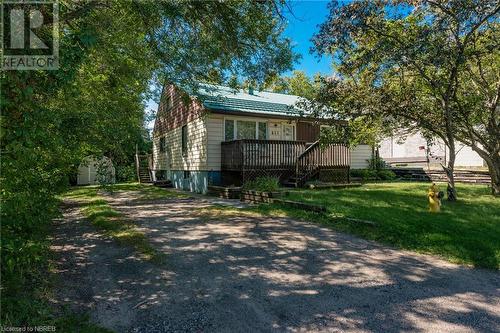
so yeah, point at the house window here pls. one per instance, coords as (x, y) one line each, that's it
(162, 144)
(168, 102)
(187, 174)
(288, 132)
(229, 130)
(184, 138)
(244, 129)
(262, 131)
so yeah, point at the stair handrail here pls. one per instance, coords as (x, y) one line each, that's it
(137, 167)
(315, 143)
(305, 153)
(139, 158)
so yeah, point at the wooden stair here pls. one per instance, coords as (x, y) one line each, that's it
(144, 176)
(301, 178)
(143, 166)
(314, 159)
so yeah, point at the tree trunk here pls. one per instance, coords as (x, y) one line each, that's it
(495, 178)
(492, 159)
(449, 169)
(493, 162)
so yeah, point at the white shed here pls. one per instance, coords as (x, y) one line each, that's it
(88, 171)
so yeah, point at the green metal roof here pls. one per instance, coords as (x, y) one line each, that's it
(222, 98)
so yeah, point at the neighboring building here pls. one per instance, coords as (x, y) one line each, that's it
(88, 171)
(413, 150)
(223, 136)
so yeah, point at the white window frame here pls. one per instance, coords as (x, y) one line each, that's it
(235, 127)
(294, 130)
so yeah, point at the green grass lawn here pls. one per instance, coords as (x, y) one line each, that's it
(143, 191)
(467, 231)
(114, 224)
(34, 305)
(149, 192)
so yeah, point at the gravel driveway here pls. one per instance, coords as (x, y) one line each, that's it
(247, 274)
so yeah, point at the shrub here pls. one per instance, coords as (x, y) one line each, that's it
(367, 174)
(25, 256)
(126, 173)
(386, 175)
(377, 170)
(263, 184)
(376, 163)
(370, 175)
(105, 174)
(356, 173)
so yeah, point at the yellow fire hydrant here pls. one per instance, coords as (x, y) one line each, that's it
(434, 198)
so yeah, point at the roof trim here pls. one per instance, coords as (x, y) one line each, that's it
(273, 115)
(252, 113)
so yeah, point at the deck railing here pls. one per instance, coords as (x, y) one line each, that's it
(282, 159)
(317, 156)
(249, 154)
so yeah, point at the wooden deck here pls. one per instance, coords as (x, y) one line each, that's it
(251, 154)
(288, 160)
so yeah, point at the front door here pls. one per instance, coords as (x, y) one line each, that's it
(288, 132)
(274, 131)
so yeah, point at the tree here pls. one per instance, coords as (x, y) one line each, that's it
(111, 52)
(354, 101)
(297, 84)
(416, 54)
(192, 39)
(477, 102)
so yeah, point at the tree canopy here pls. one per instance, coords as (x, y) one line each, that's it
(296, 84)
(113, 54)
(421, 64)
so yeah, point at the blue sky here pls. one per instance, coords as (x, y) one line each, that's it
(303, 22)
(302, 25)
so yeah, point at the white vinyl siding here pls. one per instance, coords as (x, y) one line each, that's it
(468, 157)
(87, 171)
(410, 146)
(196, 154)
(204, 145)
(215, 130)
(360, 156)
(216, 134)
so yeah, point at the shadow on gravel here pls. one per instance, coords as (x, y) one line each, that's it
(243, 273)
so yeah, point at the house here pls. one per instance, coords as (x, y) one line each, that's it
(223, 136)
(414, 150)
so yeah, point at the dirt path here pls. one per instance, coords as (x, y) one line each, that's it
(268, 274)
